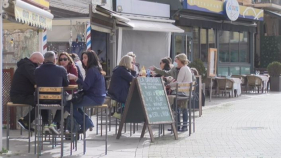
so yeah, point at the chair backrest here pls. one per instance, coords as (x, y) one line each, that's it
(254, 80)
(207, 82)
(185, 87)
(224, 83)
(242, 78)
(50, 94)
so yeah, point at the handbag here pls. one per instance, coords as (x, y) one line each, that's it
(77, 97)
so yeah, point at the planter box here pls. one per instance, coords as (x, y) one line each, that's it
(275, 83)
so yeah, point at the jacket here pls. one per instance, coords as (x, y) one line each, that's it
(23, 80)
(51, 75)
(120, 83)
(73, 70)
(94, 85)
(173, 72)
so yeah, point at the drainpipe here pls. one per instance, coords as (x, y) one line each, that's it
(1, 73)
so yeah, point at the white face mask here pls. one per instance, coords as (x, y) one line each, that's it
(175, 64)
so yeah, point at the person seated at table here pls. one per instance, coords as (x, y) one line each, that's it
(171, 61)
(136, 65)
(93, 86)
(22, 87)
(184, 76)
(122, 76)
(79, 67)
(51, 75)
(66, 61)
(164, 65)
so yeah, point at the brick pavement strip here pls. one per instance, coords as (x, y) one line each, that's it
(247, 127)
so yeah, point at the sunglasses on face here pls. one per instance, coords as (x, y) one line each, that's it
(63, 59)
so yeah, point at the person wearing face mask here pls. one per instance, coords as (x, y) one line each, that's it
(182, 74)
(22, 88)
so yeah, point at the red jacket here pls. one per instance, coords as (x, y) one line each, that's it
(72, 70)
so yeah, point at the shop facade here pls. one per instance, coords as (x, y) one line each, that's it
(147, 33)
(209, 26)
(22, 26)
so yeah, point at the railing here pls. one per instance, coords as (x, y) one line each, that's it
(278, 2)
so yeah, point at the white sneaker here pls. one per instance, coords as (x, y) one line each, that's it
(53, 129)
(46, 130)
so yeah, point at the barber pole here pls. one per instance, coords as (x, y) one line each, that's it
(88, 40)
(44, 41)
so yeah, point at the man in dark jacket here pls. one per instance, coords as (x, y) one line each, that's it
(51, 75)
(22, 88)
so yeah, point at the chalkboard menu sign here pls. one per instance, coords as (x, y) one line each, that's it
(155, 100)
(147, 103)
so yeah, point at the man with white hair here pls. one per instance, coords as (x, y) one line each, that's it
(22, 88)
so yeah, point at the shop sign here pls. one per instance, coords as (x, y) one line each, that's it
(218, 7)
(232, 9)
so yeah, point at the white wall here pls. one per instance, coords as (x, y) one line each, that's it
(149, 47)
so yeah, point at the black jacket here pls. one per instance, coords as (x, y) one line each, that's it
(23, 80)
(120, 83)
(51, 75)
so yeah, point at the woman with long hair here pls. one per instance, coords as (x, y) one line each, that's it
(122, 76)
(93, 86)
(164, 65)
(66, 61)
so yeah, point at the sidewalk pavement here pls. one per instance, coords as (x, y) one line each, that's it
(247, 126)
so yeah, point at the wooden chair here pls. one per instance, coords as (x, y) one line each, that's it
(225, 85)
(8, 106)
(254, 82)
(184, 93)
(48, 94)
(207, 82)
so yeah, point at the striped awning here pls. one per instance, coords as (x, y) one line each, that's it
(32, 15)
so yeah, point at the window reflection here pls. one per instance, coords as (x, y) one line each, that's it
(204, 47)
(224, 46)
(234, 46)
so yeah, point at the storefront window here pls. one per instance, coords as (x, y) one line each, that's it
(212, 38)
(196, 53)
(244, 47)
(224, 46)
(234, 70)
(234, 46)
(204, 46)
(223, 71)
(245, 70)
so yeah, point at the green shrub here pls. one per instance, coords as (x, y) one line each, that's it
(274, 69)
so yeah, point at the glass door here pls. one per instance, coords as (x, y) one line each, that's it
(182, 43)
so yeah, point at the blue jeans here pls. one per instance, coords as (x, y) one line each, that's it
(184, 116)
(78, 112)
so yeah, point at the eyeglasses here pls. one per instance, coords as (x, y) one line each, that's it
(63, 59)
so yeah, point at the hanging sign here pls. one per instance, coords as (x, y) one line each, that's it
(232, 9)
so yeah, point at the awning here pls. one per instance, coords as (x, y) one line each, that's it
(274, 14)
(34, 16)
(141, 25)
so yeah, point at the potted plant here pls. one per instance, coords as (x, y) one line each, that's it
(274, 70)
